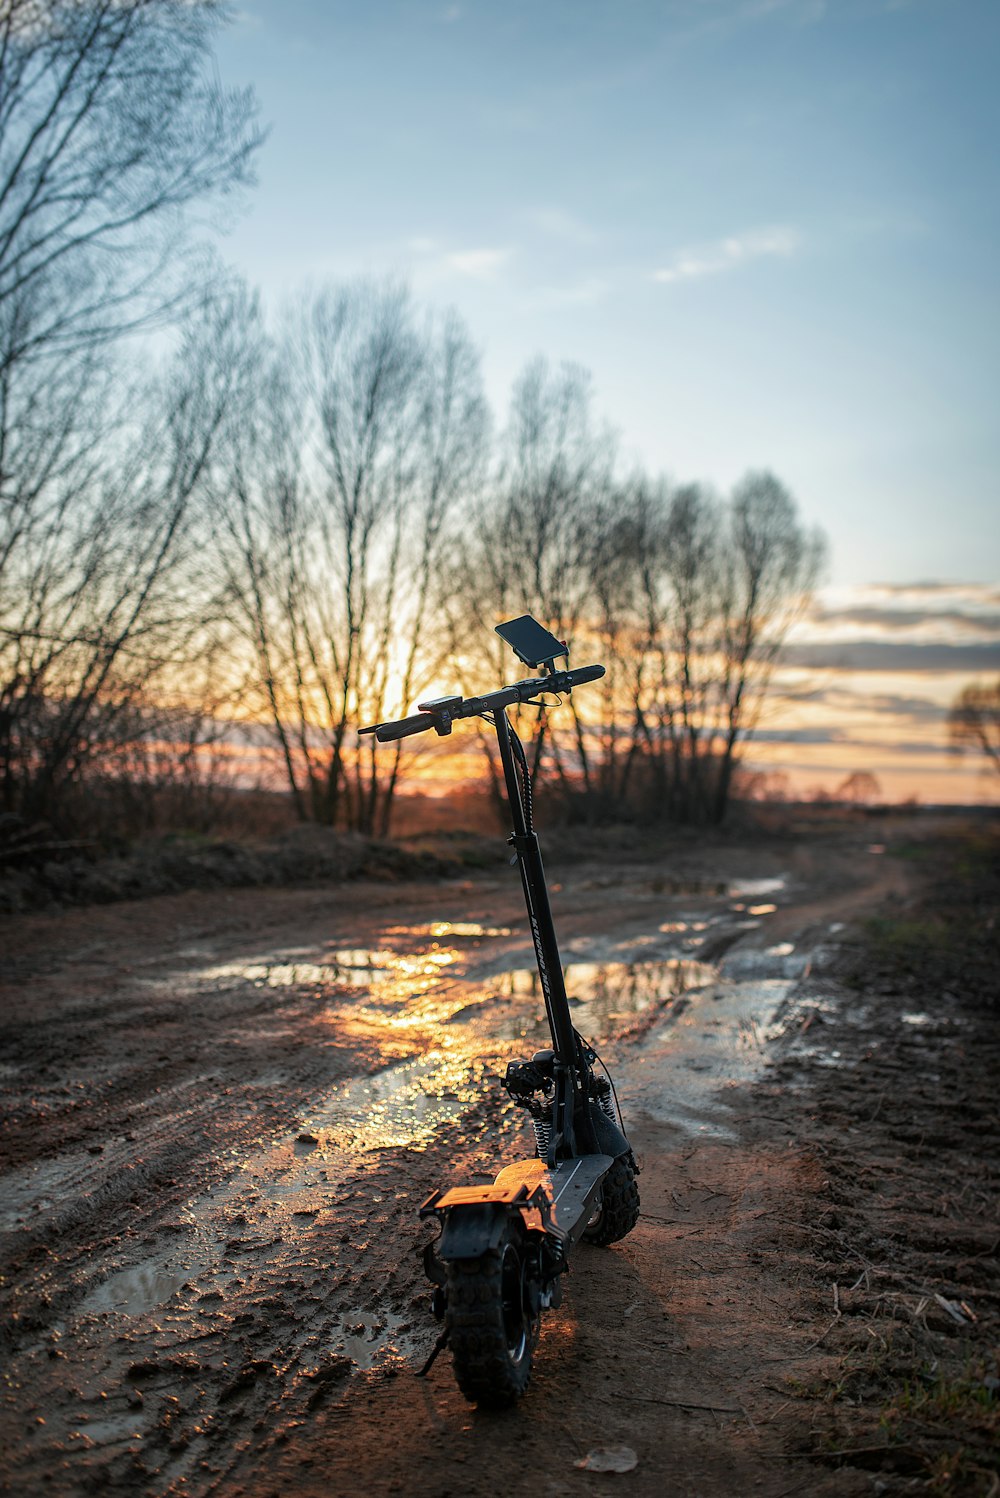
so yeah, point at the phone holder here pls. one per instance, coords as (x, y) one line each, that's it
(532, 643)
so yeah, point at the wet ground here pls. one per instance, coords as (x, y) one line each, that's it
(223, 1110)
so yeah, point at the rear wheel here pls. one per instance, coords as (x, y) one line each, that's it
(617, 1210)
(492, 1328)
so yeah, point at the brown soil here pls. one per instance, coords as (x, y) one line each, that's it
(211, 1286)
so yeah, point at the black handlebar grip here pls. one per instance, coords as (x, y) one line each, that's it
(584, 673)
(403, 727)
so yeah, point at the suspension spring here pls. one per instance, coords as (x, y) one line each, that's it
(543, 1136)
(602, 1095)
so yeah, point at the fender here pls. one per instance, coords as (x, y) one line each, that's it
(474, 1218)
(610, 1139)
(469, 1231)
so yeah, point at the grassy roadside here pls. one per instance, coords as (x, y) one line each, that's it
(897, 1100)
(302, 856)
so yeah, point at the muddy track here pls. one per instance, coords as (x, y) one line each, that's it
(222, 1109)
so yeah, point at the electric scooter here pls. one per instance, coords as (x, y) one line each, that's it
(503, 1249)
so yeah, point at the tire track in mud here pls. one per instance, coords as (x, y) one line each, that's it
(244, 1247)
(234, 1306)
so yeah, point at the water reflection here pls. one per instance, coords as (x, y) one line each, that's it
(347, 967)
(752, 889)
(611, 991)
(456, 930)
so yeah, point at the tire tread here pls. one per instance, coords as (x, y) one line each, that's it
(619, 1204)
(483, 1368)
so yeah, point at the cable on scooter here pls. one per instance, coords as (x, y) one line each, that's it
(600, 1060)
(525, 779)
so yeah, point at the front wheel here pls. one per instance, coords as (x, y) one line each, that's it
(492, 1328)
(617, 1210)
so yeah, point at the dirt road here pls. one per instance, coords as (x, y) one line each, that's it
(222, 1110)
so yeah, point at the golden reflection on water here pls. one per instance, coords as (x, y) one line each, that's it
(400, 1004)
(635, 984)
(402, 1106)
(348, 967)
(457, 930)
(271, 974)
(467, 928)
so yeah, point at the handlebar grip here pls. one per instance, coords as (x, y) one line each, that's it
(583, 673)
(403, 727)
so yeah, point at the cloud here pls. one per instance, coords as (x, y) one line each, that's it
(779, 241)
(919, 614)
(847, 702)
(481, 265)
(972, 598)
(885, 655)
(820, 735)
(906, 618)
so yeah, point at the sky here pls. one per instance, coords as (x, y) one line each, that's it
(769, 228)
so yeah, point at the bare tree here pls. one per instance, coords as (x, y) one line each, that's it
(112, 126)
(860, 788)
(93, 605)
(526, 546)
(720, 583)
(685, 599)
(451, 449)
(974, 720)
(332, 515)
(771, 565)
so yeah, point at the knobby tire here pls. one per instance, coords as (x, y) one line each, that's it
(619, 1209)
(491, 1339)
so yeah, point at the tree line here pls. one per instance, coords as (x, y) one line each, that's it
(301, 521)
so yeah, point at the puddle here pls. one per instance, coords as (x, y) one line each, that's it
(270, 974)
(780, 961)
(367, 1338)
(603, 993)
(402, 1106)
(457, 930)
(452, 1027)
(719, 1039)
(752, 889)
(286, 1185)
(353, 968)
(136, 1291)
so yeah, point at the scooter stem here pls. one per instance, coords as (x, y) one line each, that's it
(567, 1067)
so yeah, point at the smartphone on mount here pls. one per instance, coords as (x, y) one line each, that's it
(532, 643)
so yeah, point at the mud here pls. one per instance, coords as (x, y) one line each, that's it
(222, 1109)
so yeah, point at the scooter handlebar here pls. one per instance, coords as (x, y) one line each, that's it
(470, 707)
(403, 727)
(581, 675)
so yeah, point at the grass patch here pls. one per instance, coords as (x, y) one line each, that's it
(953, 1425)
(948, 942)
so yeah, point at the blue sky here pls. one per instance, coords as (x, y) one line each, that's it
(768, 227)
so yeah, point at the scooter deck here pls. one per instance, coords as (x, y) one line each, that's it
(568, 1191)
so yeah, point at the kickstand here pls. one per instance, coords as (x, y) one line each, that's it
(439, 1346)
